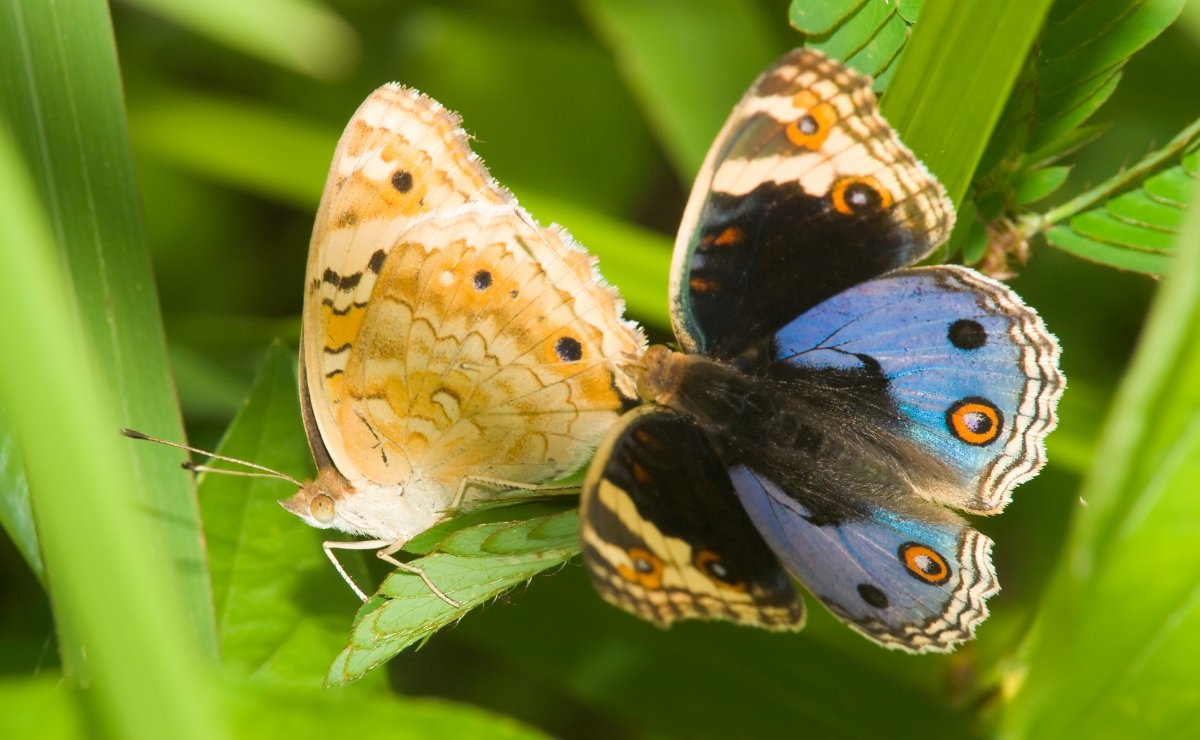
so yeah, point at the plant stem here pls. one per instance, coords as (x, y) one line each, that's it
(1037, 223)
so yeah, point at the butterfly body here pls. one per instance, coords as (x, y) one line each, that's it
(839, 402)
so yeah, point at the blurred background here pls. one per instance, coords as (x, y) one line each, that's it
(234, 110)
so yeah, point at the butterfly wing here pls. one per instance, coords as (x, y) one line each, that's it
(916, 578)
(446, 333)
(805, 192)
(664, 537)
(971, 370)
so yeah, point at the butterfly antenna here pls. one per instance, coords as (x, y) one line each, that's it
(266, 472)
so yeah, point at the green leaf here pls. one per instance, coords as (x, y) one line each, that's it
(1071, 109)
(685, 83)
(1102, 226)
(1119, 257)
(1132, 231)
(1139, 209)
(267, 713)
(472, 566)
(817, 18)
(910, 10)
(1124, 603)
(1084, 38)
(281, 607)
(856, 32)
(43, 708)
(304, 37)
(46, 709)
(971, 243)
(703, 675)
(249, 146)
(1077, 67)
(62, 97)
(1172, 187)
(950, 85)
(117, 601)
(1038, 184)
(1061, 147)
(883, 47)
(868, 37)
(16, 513)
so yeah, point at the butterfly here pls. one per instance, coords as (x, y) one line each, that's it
(830, 404)
(447, 338)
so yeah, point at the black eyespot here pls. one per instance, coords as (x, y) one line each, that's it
(482, 280)
(513, 294)
(808, 125)
(862, 197)
(402, 180)
(568, 349)
(642, 565)
(859, 196)
(967, 334)
(873, 596)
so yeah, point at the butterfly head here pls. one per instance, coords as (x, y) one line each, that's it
(658, 373)
(316, 501)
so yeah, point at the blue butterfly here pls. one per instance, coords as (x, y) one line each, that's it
(831, 405)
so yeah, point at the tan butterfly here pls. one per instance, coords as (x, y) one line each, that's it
(447, 337)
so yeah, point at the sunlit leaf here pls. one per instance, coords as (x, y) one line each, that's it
(857, 31)
(948, 89)
(1135, 230)
(16, 514)
(1039, 184)
(1077, 67)
(267, 713)
(817, 18)
(472, 566)
(282, 609)
(1142, 512)
(47, 709)
(883, 47)
(64, 102)
(116, 596)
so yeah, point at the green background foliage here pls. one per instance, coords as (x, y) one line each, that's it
(201, 149)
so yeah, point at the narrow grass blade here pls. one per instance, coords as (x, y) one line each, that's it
(113, 585)
(62, 95)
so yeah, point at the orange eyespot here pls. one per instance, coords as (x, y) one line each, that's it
(644, 569)
(712, 565)
(859, 196)
(975, 421)
(322, 508)
(811, 129)
(924, 563)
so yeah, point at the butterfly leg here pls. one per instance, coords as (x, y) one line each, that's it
(330, 545)
(497, 485)
(386, 555)
(384, 551)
